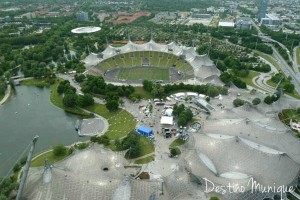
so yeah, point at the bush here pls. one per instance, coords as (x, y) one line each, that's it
(175, 152)
(104, 139)
(23, 160)
(214, 198)
(82, 145)
(59, 150)
(94, 139)
(238, 102)
(256, 101)
(17, 167)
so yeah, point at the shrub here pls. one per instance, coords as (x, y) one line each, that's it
(17, 167)
(256, 101)
(238, 102)
(104, 139)
(59, 150)
(174, 152)
(82, 145)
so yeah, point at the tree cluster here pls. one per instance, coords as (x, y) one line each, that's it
(70, 98)
(183, 114)
(208, 90)
(111, 93)
(271, 99)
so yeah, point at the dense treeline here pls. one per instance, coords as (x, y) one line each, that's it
(70, 98)
(166, 90)
(111, 93)
(289, 40)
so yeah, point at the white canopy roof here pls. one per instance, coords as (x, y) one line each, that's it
(166, 120)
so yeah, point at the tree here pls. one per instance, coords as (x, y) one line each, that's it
(212, 92)
(225, 77)
(158, 90)
(70, 100)
(288, 87)
(268, 100)
(214, 198)
(59, 150)
(104, 139)
(79, 78)
(238, 102)
(112, 105)
(85, 100)
(147, 85)
(256, 101)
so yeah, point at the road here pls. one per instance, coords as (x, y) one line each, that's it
(296, 65)
(286, 69)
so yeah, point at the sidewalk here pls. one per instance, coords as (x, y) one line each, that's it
(7, 95)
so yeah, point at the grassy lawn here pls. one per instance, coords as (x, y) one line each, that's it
(268, 58)
(40, 161)
(143, 74)
(248, 79)
(288, 114)
(141, 92)
(120, 122)
(292, 94)
(144, 160)
(35, 82)
(57, 100)
(176, 143)
(146, 145)
(271, 83)
(298, 55)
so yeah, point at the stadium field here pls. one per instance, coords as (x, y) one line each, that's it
(145, 73)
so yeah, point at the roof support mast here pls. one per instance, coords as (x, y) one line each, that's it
(26, 169)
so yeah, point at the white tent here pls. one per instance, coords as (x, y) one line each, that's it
(166, 120)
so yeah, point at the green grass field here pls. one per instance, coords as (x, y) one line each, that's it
(120, 122)
(40, 160)
(156, 59)
(144, 74)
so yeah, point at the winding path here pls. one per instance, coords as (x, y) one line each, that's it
(7, 95)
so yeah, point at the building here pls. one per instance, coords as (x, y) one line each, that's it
(201, 16)
(204, 105)
(270, 20)
(145, 131)
(82, 16)
(226, 24)
(243, 23)
(263, 4)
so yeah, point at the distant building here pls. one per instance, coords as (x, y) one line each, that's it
(262, 9)
(201, 16)
(270, 20)
(243, 23)
(82, 16)
(226, 24)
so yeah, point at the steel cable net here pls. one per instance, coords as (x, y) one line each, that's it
(93, 173)
(178, 185)
(232, 160)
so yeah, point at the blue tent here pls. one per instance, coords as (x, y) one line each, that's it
(145, 131)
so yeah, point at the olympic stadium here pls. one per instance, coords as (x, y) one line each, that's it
(153, 61)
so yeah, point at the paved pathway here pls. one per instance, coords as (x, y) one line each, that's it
(7, 95)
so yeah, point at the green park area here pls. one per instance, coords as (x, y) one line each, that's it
(35, 82)
(40, 160)
(145, 160)
(268, 58)
(249, 78)
(143, 74)
(120, 121)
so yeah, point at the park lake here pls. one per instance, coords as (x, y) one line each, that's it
(29, 112)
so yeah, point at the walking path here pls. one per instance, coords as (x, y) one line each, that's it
(7, 95)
